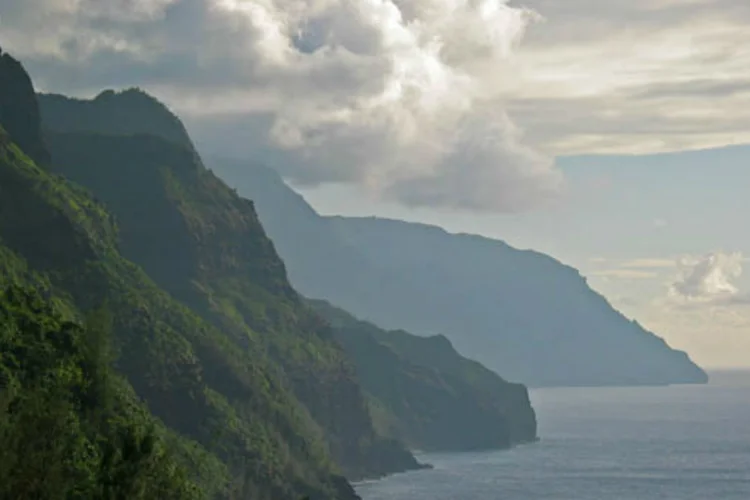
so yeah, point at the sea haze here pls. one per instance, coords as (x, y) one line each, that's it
(679, 442)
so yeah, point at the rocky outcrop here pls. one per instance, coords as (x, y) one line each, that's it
(425, 394)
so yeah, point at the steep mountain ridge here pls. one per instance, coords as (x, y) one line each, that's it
(229, 396)
(520, 313)
(190, 374)
(204, 245)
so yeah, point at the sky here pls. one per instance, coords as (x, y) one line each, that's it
(607, 134)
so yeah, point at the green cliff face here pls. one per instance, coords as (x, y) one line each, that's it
(195, 378)
(424, 393)
(246, 380)
(204, 245)
(226, 393)
(201, 242)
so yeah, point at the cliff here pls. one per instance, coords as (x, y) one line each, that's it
(424, 393)
(522, 314)
(205, 245)
(223, 389)
(202, 243)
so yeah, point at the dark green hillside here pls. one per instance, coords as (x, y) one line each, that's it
(218, 389)
(195, 378)
(426, 394)
(69, 428)
(204, 245)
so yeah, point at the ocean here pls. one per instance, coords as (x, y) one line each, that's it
(665, 443)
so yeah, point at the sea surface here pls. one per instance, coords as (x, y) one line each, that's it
(675, 443)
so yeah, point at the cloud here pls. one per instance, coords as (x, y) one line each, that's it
(404, 97)
(709, 280)
(645, 266)
(649, 263)
(634, 76)
(627, 274)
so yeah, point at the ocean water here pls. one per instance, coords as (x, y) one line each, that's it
(675, 443)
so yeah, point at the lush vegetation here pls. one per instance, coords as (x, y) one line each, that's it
(69, 427)
(201, 383)
(228, 407)
(152, 346)
(423, 392)
(202, 243)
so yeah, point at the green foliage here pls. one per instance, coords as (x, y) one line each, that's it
(421, 391)
(60, 434)
(204, 245)
(227, 404)
(198, 380)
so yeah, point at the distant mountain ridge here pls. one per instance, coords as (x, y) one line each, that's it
(521, 313)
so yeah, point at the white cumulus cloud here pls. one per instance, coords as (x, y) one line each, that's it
(709, 279)
(401, 96)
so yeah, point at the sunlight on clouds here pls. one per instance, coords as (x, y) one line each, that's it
(709, 279)
(649, 263)
(634, 77)
(624, 274)
(400, 97)
(450, 103)
(716, 338)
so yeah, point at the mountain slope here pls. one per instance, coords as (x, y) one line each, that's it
(198, 381)
(426, 394)
(203, 244)
(232, 399)
(520, 313)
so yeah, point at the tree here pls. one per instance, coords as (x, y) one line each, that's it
(66, 428)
